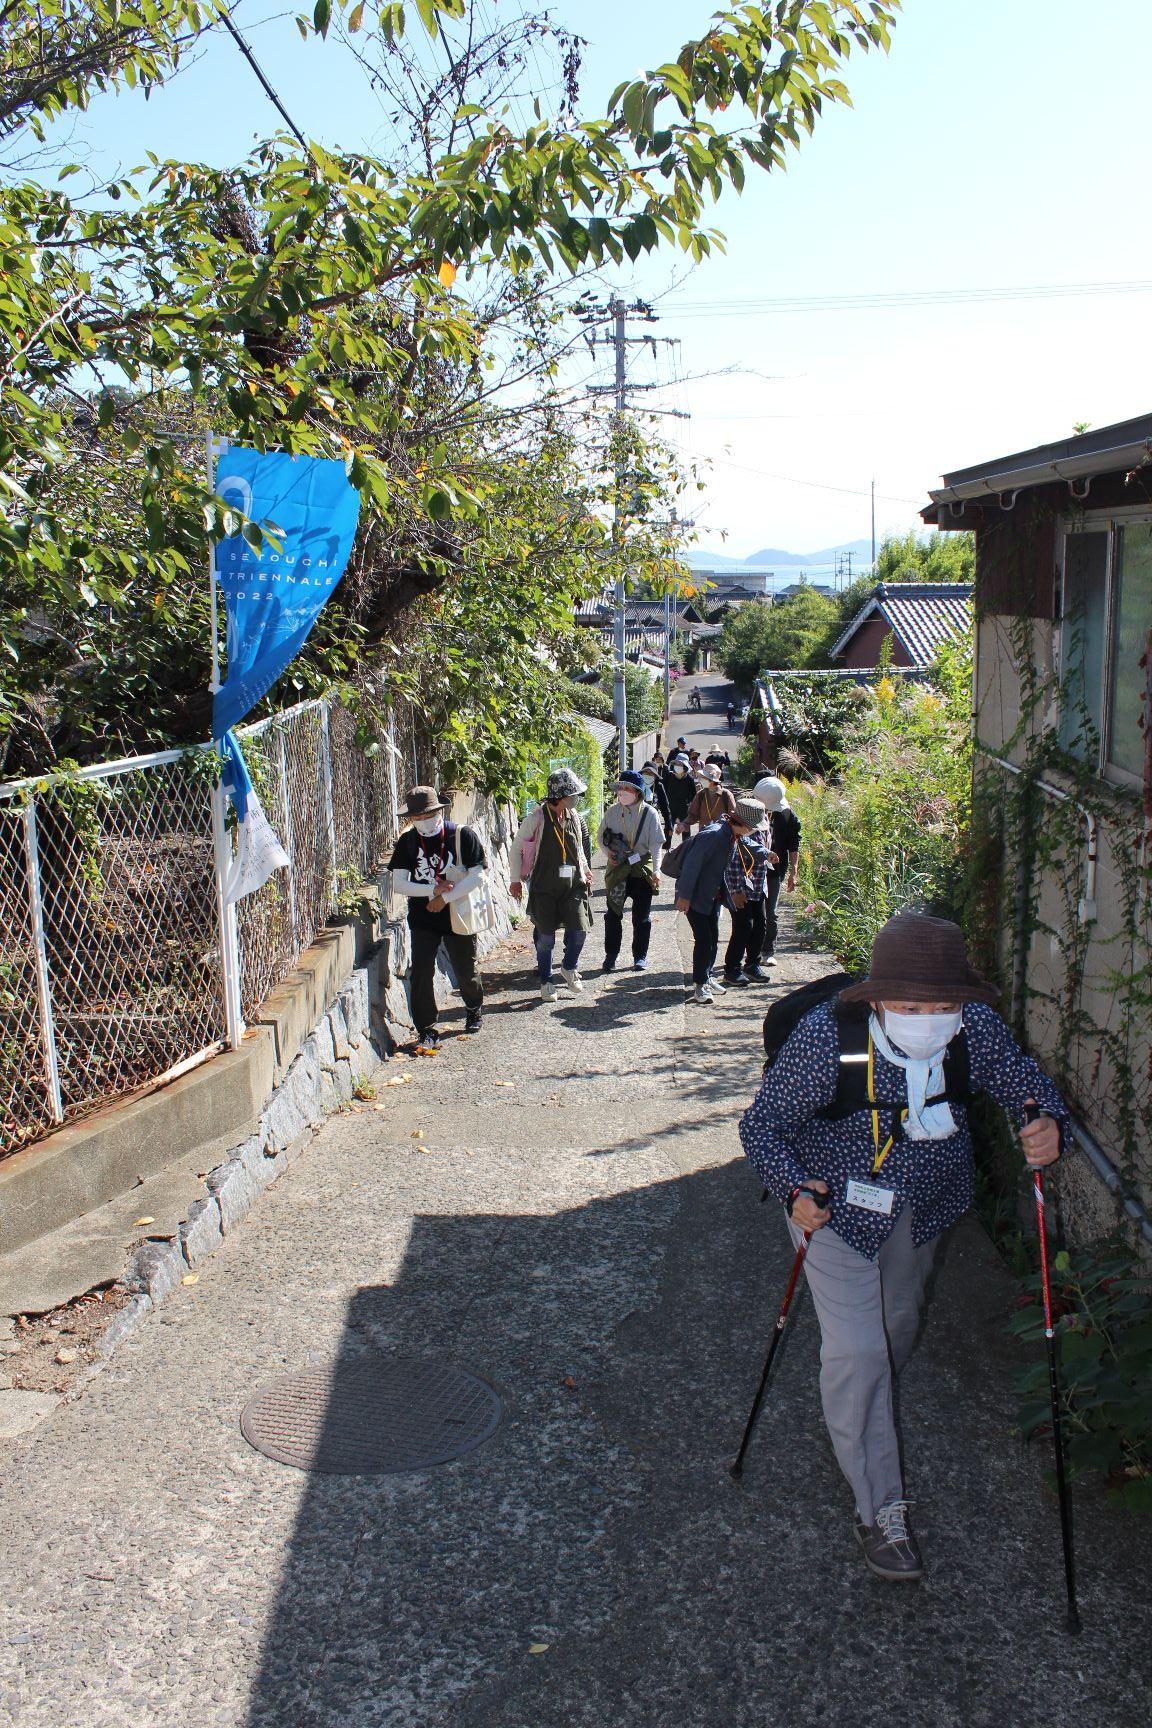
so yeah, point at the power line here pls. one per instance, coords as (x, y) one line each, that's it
(792, 480)
(226, 20)
(879, 300)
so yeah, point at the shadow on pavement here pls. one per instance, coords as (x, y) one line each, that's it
(593, 1566)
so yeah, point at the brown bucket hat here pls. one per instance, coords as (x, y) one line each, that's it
(423, 801)
(916, 958)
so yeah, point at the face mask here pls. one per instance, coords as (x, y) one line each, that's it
(649, 779)
(679, 770)
(627, 798)
(431, 827)
(922, 1036)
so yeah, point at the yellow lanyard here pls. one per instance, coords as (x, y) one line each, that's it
(747, 865)
(712, 802)
(560, 829)
(881, 1152)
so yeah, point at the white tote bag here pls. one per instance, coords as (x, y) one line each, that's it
(475, 911)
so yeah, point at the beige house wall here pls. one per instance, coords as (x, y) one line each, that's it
(1094, 1009)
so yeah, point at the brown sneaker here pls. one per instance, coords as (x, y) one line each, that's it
(889, 1546)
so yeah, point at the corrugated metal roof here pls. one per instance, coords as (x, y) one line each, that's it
(922, 616)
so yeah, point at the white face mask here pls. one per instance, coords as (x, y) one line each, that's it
(627, 798)
(922, 1036)
(430, 828)
(679, 770)
(649, 779)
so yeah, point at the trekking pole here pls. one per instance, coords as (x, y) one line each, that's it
(736, 1470)
(1031, 1113)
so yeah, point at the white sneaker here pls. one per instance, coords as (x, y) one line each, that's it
(703, 993)
(572, 978)
(715, 984)
(549, 992)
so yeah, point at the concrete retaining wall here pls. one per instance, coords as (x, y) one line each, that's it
(329, 1024)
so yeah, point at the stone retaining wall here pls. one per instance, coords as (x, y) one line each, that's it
(369, 1017)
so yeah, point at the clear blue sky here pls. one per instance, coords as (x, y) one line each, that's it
(1000, 144)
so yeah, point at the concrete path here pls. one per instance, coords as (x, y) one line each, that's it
(576, 1225)
(710, 726)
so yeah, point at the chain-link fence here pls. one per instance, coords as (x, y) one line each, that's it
(111, 973)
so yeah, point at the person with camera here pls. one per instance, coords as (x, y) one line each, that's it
(433, 864)
(631, 835)
(871, 1187)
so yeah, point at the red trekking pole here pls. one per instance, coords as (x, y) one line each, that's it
(1031, 1113)
(737, 1468)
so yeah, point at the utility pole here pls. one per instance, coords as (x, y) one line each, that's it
(619, 688)
(618, 314)
(873, 525)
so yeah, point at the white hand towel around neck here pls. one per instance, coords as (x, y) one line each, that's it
(924, 1080)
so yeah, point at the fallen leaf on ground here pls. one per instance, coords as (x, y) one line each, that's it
(510, 1083)
(568, 1380)
(145, 1220)
(190, 1278)
(64, 1355)
(399, 1080)
(417, 1133)
(538, 1649)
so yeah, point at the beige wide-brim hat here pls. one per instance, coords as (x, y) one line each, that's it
(916, 958)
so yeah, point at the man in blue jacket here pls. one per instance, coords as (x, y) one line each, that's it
(700, 887)
(873, 1189)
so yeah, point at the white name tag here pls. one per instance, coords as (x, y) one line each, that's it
(567, 871)
(633, 857)
(870, 1198)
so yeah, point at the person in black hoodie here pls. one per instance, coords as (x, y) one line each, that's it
(680, 787)
(657, 794)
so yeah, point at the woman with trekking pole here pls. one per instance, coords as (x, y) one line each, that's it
(860, 1131)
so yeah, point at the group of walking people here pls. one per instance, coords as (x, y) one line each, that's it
(726, 851)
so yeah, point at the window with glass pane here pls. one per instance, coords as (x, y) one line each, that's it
(1132, 620)
(1082, 642)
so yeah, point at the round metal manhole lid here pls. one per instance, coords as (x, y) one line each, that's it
(372, 1416)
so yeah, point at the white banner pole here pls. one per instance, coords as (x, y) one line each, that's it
(222, 845)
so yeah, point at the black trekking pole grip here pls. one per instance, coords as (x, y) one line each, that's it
(1031, 1114)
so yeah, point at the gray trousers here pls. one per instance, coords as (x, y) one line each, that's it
(869, 1312)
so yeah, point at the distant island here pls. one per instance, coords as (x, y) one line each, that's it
(776, 558)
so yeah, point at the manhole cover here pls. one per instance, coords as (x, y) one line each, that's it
(372, 1416)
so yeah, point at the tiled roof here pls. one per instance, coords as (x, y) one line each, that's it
(922, 615)
(602, 609)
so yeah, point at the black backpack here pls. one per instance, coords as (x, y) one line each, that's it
(784, 1016)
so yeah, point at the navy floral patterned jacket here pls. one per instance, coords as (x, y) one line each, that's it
(787, 1143)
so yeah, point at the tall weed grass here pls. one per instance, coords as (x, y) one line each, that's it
(887, 827)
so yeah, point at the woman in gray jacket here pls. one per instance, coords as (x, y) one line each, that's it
(631, 835)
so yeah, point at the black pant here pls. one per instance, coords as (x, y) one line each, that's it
(771, 923)
(747, 939)
(461, 952)
(705, 941)
(639, 891)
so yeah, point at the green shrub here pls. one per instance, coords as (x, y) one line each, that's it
(886, 830)
(1102, 1306)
